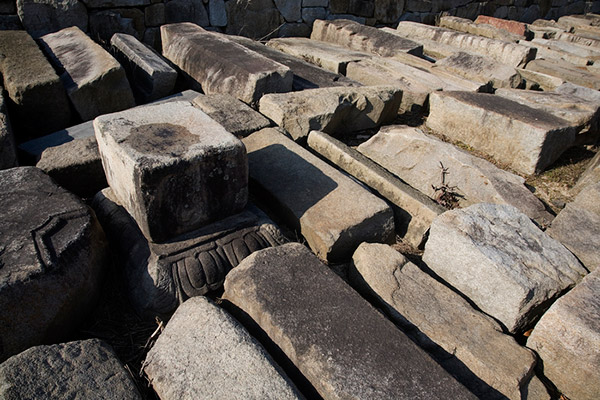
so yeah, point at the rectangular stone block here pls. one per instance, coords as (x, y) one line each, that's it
(333, 213)
(538, 80)
(590, 54)
(514, 27)
(479, 28)
(172, 167)
(222, 66)
(545, 51)
(568, 37)
(566, 71)
(431, 49)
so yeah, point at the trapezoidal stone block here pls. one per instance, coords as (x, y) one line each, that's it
(172, 167)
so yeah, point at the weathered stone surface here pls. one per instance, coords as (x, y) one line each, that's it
(10, 23)
(332, 110)
(520, 269)
(415, 158)
(363, 38)
(294, 29)
(343, 346)
(585, 41)
(571, 21)
(161, 276)
(332, 212)
(574, 53)
(567, 338)
(38, 97)
(413, 212)
(568, 88)
(388, 11)
(205, 353)
(81, 369)
(149, 75)
(217, 13)
(291, 11)
(186, 11)
(546, 51)
(40, 17)
(538, 80)
(115, 3)
(104, 24)
(565, 71)
(478, 28)
(310, 14)
(526, 139)
(514, 27)
(435, 317)
(590, 176)
(256, 19)
(52, 258)
(172, 167)
(94, 80)
(8, 152)
(222, 66)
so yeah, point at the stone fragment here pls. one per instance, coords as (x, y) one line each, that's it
(526, 139)
(332, 110)
(40, 17)
(291, 10)
(115, 3)
(443, 323)
(478, 28)
(193, 11)
(265, 18)
(413, 211)
(567, 338)
(222, 66)
(38, 99)
(104, 24)
(82, 369)
(8, 151)
(514, 27)
(565, 71)
(333, 213)
(538, 80)
(94, 80)
(205, 353)
(52, 259)
(416, 158)
(520, 270)
(172, 167)
(343, 346)
(568, 88)
(217, 13)
(150, 76)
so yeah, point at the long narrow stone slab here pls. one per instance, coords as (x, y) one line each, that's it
(478, 28)
(589, 54)
(514, 27)
(546, 51)
(590, 176)
(205, 353)
(94, 80)
(343, 346)
(566, 71)
(333, 213)
(582, 40)
(538, 80)
(431, 48)
(8, 152)
(526, 139)
(222, 66)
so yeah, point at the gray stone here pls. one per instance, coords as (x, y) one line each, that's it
(585, 93)
(526, 139)
(115, 3)
(40, 17)
(333, 213)
(217, 13)
(388, 11)
(315, 3)
(350, 17)
(582, 40)
(8, 151)
(479, 29)
(104, 24)
(590, 54)
(520, 270)
(52, 259)
(310, 14)
(154, 15)
(343, 346)
(291, 11)
(539, 80)
(82, 369)
(94, 80)
(161, 276)
(172, 167)
(545, 51)
(416, 158)
(567, 338)
(566, 71)
(222, 66)
(152, 38)
(205, 353)
(413, 211)
(331, 110)
(338, 6)
(444, 324)
(363, 8)
(186, 11)
(590, 176)
(291, 29)
(256, 19)
(148, 73)
(432, 49)
(10, 23)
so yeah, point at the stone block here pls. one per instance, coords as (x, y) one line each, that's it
(52, 260)
(154, 15)
(566, 71)
(343, 346)
(333, 213)
(104, 24)
(265, 18)
(205, 353)
(362, 8)
(222, 66)
(590, 176)
(8, 151)
(388, 11)
(95, 82)
(292, 29)
(217, 13)
(573, 50)
(310, 14)
(350, 17)
(524, 138)
(514, 27)
(291, 11)
(172, 167)
(192, 11)
(479, 29)
(539, 80)
(338, 6)
(10, 23)
(115, 3)
(520, 270)
(40, 17)
(546, 51)
(81, 369)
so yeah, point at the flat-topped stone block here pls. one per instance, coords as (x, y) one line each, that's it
(343, 346)
(8, 151)
(546, 51)
(566, 71)
(94, 80)
(172, 167)
(526, 139)
(333, 213)
(479, 28)
(514, 27)
(205, 353)
(222, 66)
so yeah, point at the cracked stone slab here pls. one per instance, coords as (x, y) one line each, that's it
(567, 72)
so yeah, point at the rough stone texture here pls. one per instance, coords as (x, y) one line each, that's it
(526, 139)
(154, 15)
(149, 75)
(332, 110)
(413, 212)
(435, 316)
(567, 338)
(538, 80)
(40, 17)
(256, 19)
(104, 24)
(235, 116)
(343, 346)
(186, 11)
(575, 51)
(87, 369)
(388, 11)
(161, 276)
(291, 10)
(332, 212)
(94, 80)
(222, 66)
(415, 158)
(520, 270)
(8, 151)
(310, 14)
(205, 353)
(172, 167)
(217, 13)
(479, 29)
(293, 29)
(590, 176)
(514, 27)
(115, 3)
(585, 41)
(38, 99)
(565, 71)
(546, 51)
(591, 95)
(431, 48)
(52, 258)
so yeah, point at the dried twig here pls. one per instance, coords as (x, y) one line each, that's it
(446, 195)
